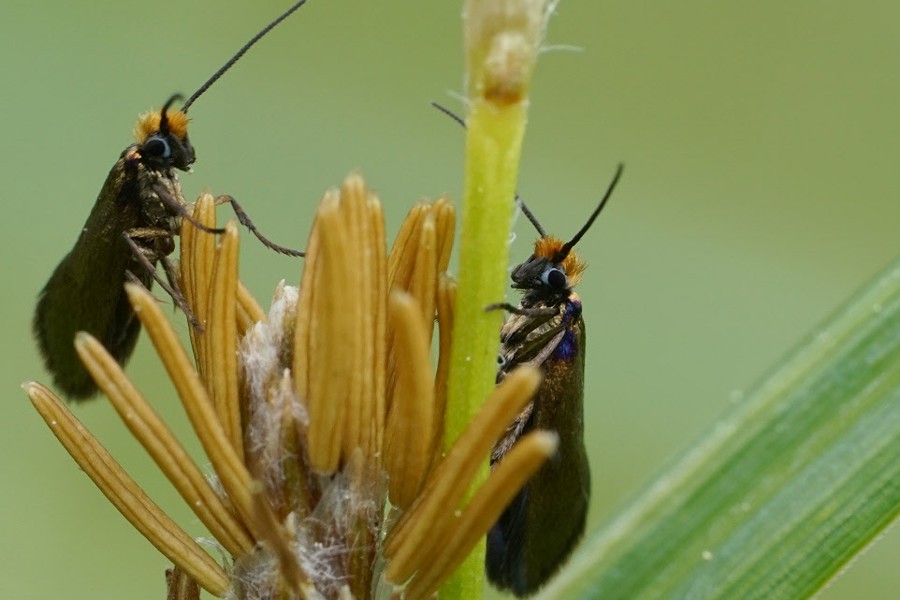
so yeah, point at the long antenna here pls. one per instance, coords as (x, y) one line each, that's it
(564, 251)
(215, 77)
(449, 113)
(530, 216)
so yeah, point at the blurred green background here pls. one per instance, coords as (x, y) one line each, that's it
(761, 142)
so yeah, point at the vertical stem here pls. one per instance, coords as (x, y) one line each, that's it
(501, 42)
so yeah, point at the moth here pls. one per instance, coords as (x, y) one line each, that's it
(543, 523)
(130, 229)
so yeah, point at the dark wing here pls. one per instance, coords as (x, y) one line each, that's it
(540, 527)
(85, 292)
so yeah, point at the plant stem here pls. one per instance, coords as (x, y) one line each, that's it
(501, 42)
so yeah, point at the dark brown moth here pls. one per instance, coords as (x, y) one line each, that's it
(543, 523)
(130, 229)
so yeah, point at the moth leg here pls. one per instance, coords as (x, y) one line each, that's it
(145, 257)
(178, 296)
(537, 311)
(246, 222)
(149, 234)
(177, 208)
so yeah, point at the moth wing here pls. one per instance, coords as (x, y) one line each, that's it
(85, 291)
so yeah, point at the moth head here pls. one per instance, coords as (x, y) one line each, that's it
(554, 266)
(163, 137)
(548, 268)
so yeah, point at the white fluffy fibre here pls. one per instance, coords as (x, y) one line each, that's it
(337, 532)
(261, 350)
(325, 544)
(325, 538)
(264, 357)
(255, 577)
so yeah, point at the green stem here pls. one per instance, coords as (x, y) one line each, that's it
(493, 145)
(501, 43)
(494, 141)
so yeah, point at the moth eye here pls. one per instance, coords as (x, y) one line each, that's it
(158, 147)
(555, 278)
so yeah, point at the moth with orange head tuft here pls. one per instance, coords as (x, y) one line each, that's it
(131, 228)
(543, 523)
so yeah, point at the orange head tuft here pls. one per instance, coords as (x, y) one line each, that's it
(148, 124)
(551, 247)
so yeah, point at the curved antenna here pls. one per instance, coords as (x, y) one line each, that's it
(528, 214)
(564, 251)
(237, 56)
(449, 113)
(163, 117)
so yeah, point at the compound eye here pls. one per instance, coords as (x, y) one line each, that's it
(555, 278)
(158, 147)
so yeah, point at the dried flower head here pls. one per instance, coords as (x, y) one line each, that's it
(322, 421)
